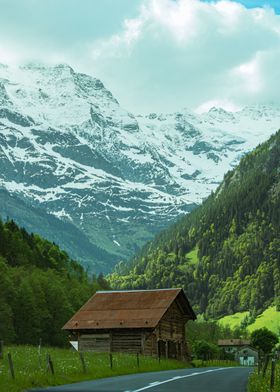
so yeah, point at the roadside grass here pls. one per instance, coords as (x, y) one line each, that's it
(31, 370)
(258, 383)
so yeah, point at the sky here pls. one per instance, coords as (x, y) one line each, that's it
(154, 55)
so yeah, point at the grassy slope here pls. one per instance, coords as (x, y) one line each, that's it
(233, 320)
(270, 319)
(30, 370)
(192, 256)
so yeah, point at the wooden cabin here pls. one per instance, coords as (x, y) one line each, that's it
(149, 322)
(231, 346)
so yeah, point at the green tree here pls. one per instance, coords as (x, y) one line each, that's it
(205, 350)
(264, 340)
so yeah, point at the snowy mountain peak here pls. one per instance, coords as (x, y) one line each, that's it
(67, 146)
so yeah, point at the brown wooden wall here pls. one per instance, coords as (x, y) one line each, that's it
(129, 341)
(171, 333)
(97, 342)
(123, 340)
(166, 340)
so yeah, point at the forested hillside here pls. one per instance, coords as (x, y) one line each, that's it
(40, 287)
(226, 253)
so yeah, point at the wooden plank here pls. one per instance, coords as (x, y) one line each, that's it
(123, 343)
(94, 342)
(95, 335)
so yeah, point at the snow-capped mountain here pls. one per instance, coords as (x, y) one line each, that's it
(69, 148)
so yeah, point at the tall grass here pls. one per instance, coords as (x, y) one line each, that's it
(259, 383)
(31, 369)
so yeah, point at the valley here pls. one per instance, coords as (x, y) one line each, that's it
(71, 152)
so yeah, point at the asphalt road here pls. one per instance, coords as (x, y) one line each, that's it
(191, 380)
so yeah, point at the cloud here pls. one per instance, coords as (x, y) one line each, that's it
(189, 53)
(162, 55)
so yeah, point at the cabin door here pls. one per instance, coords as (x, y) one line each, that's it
(172, 350)
(161, 348)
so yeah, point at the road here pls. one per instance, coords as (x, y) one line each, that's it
(191, 380)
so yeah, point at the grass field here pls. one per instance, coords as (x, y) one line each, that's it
(233, 320)
(270, 319)
(31, 370)
(192, 256)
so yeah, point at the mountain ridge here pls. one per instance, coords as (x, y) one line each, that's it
(226, 252)
(68, 147)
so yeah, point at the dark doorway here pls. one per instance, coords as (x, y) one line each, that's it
(161, 348)
(172, 350)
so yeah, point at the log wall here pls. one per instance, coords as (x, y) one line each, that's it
(171, 333)
(128, 341)
(94, 342)
(166, 340)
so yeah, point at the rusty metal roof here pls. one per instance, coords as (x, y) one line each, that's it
(127, 309)
(234, 342)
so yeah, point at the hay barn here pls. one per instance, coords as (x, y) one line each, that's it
(149, 322)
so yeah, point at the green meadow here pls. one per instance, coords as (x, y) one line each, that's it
(233, 320)
(192, 256)
(270, 319)
(31, 368)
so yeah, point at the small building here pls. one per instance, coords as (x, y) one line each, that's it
(149, 322)
(231, 346)
(247, 356)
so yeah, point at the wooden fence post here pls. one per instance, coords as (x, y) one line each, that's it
(50, 364)
(266, 362)
(39, 353)
(83, 362)
(1, 349)
(259, 364)
(111, 360)
(272, 376)
(11, 365)
(137, 358)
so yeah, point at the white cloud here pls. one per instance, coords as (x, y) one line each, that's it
(250, 75)
(189, 53)
(171, 54)
(218, 103)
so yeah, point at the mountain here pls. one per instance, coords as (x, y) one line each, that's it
(225, 253)
(62, 232)
(41, 287)
(69, 149)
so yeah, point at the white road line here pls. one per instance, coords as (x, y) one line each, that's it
(156, 383)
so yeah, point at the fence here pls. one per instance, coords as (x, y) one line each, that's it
(267, 371)
(75, 360)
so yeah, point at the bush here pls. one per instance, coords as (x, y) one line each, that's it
(204, 350)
